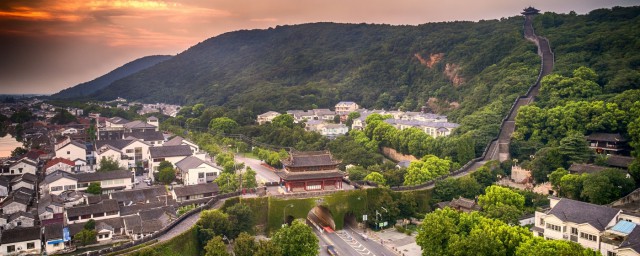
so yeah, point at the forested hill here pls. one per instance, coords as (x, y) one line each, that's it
(378, 66)
(92, 86)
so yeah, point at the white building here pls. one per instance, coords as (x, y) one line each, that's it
(327, 129)
(434, 129)
(346, 107)
(106, 209)
(601, 228)
(109, 181)
(172, 154)
(53, 238)
(24, 165)
(177, 140)
(58, 163)
(194, 170)
(266, 117)
(58, 182)
(74, 151)
(129, 152)
(20, 241)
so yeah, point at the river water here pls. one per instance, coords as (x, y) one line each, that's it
(7, 144)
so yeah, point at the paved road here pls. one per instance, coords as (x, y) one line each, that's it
(186, 224)
(263, 174)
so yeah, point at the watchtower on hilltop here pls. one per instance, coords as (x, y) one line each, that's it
(530, 11)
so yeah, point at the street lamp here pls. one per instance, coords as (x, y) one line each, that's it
(284, 214)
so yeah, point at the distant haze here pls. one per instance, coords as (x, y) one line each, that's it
(49, 45)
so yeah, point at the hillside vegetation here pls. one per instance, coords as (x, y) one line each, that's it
(87, 88)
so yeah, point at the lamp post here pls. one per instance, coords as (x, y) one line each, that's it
(284, 214)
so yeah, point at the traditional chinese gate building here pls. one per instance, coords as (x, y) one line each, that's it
(310, 171)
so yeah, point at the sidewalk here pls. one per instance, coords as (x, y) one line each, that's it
(400, 243)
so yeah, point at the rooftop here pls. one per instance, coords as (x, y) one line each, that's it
(574, 211)
(108, 205)
(196, 189)
(609, 137)
(170, 151)
(20, 235)
(191, 162)
(309, 159)
(98, 176)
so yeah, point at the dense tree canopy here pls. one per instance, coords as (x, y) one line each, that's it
(296, 239)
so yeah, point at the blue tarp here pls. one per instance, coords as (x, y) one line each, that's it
(65, 234)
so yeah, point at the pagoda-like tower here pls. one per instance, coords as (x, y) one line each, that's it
(530, 11)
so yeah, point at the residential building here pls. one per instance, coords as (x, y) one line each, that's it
(608, 143)
(49, 206)
(4, 187)
(128, 152)
(20, 219)
(106, 229)
(434, 129)
(346, 107)
(151, 137)
(308, 171)
(266, 117)
(53, 238)
(172, 154)
(24, 165)
(585, 168)
(103, 210)
(464, 204)
(327, 129)
(301, 116)
(74, 151)
(177, 140)
(324, 114)
(193, 192)
(604, 229)
(26, 180)
(58, 182)
(20, 241)
(109, 181)
(59, 163)
(14, 203)
(193, 170)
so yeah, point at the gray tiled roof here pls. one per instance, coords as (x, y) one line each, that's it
(139, 195)
(308, 159)
(108, 205)
(619, 161)
(18, 214)
(56, 175)
(119, 144)
(20, 235)
(98, 176)
(170, 151)
(586, 168)
(137, 124)
(118, 120)
(574, 211)
(196, 189)
(191, 162)
(145, 135)
(611, 137)
(53, 232)
(177, 140)
(633, 240)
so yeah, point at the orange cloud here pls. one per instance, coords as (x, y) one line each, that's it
(264, 20)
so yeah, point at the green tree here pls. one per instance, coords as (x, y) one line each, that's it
(227, 182)
(267, 248)
(166, 175)
(244, 245)
(556, 176)
(216, 247)
(85, 237)
(352, 116)
(426, 169)
(357, 173)
(90, 225)
(165, 165)
(376, 177)
(212, 223)
(574, 148)
(18, 151)
(546, 161)
(296, 240)
(284, 120)
(223, 125)
(450, 188)
(63, 116)
(249, 178)
(502, 203)
(571, 186)
(109, 164)
(94, 188)
(437, 230)
(240, 220)
(597, 189)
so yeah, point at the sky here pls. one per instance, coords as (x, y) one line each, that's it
(49, 45)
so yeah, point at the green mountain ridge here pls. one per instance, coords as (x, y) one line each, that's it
(88, 88)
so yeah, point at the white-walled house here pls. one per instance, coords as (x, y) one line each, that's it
(13, 204)
(108, 152)
(59, 163)
(172, 154)
(604, 229)
(58, 182)
(73, 151)
(109, 181)
(346, 107)
(193, 170)
(4, 186)
(24, 165)
(129, 151)
(26, 180)
(177, 140)
(53, 238)
(266, 117)
(106, 209)
(20, 241)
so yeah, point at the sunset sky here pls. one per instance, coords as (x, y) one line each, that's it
(49, 45)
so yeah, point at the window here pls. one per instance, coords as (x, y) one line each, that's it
(56, 188)
(11, 248)
(20, 170)
(200, 175)
(589, 237)
(31, 245)
(70, 187)
(554, 227)
(574, 231)
(610, 253)
(68, 152)
(129, 151)
(19, 223)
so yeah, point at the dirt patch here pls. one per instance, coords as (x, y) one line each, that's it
(452, 72)
(436, 105)
(434, 58)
